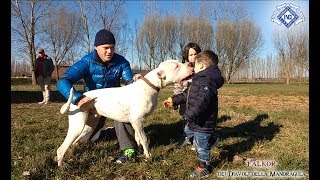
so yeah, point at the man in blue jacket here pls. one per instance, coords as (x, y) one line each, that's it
(102, 68)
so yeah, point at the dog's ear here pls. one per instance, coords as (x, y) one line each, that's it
(161, 75)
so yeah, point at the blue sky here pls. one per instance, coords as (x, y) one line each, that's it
(260, 11)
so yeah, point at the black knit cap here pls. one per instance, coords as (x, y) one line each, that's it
(40, 51)
(104, 37)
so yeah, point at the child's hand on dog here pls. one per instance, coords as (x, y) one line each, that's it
(168, 102)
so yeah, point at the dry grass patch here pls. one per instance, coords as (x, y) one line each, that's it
(271, 102)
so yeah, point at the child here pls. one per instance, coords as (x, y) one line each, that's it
(188, 55)
(201, 99)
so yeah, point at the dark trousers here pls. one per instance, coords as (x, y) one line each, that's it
(182, 109)
(124, 133)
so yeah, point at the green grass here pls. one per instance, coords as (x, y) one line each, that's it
(259, 121)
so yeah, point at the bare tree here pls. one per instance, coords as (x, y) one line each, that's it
(25, 15)
(291, 39)
(142, 53)
(236, 43)
(63, 30)
(110, 13)
(160, 37)
(13, 66)
(112, 16)
(148, 39)
(124, 38)
(84, 7)
(146, 36)
(138, 46)
(167, 37)
(200, 31)
(182, 34)
(280, 43)
(302, 51)
(275, 68)
(20, 68)
(159, 34)
(293, 51)
(210, 10)
(196, 26)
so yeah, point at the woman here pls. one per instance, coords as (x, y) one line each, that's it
(188, 55)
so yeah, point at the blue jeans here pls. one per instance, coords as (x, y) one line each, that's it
(201, 142)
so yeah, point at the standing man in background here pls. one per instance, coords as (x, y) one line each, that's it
(43, 70)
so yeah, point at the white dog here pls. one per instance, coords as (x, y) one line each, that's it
(131, 103)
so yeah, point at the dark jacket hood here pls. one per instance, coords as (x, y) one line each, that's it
(213, 72)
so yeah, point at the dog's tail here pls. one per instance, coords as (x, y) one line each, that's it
(66, 106)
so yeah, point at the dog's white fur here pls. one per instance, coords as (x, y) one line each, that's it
(131, 103)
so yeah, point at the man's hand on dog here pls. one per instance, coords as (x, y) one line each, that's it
(136, 77)
(168, 102)
(86, 104)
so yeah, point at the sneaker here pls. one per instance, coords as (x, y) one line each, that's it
(193, 147)
(200, 172)
(129, 154)
(183, 142)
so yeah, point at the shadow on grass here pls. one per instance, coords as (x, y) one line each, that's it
(77, 163)
(252, 131)
(223, 118)
(164, 134)
(46, 171)
(35, 96)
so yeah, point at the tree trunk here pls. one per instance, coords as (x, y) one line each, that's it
(300, 71)
(288, 77)
(57, 74)
(228, 78)
(33, 77)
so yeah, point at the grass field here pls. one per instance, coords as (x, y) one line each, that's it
(255, 121)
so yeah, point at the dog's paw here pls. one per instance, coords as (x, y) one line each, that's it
(148, 156)
(60, 163)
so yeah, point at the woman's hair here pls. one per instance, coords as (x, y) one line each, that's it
(185, 52)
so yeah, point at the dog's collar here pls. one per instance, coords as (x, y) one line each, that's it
(149, 83)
